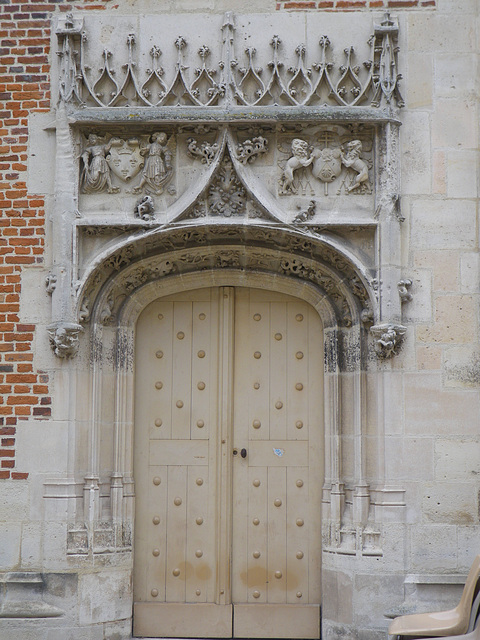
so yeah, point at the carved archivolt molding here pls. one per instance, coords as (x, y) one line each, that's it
(288, 252)
(237, 78)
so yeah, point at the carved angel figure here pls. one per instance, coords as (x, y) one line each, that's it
(158, 169)
(96, 172)
(300, 158)
(352, 160)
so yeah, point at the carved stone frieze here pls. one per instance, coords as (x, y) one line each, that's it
(103, 157)
(98, 537)
(352, 540)
(388, 337)
(64, 338)
(198, 78)
(324, 158)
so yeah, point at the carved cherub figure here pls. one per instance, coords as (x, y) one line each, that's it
(388, 341)
(300, 158)
(96, 172)
(158, 169)
(352, 160)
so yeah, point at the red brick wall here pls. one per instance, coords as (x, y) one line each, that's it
(24, 88)
(354, 5)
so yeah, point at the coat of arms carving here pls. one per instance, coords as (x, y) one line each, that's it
(107, 160)
(124, 158)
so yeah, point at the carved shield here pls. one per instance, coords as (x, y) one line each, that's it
(327, 165)
(124, 159)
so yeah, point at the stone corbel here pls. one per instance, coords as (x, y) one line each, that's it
(404, 290)
(388, 337)
(64, 338)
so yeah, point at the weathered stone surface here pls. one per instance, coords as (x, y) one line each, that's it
(433, 410)
(457, 459)
(452, 503)
(455, 321)
(462, 172)
(462, 367)
(430, 548)
(420, 81)
(445, 267)
(95, 590)
(442, 224)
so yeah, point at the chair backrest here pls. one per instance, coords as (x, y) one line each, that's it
(465, 604)
(475, 612)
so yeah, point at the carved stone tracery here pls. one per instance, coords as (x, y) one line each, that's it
(236, 79)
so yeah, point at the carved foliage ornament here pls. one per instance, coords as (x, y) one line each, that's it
(224, 258)
(145, 209)
(226, 194)
(404, 290)
(244, 81)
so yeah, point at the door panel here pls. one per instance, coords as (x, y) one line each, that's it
(226, 544)
(276, 487)
(176, 458)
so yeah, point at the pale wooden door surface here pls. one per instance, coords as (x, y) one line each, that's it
(176, 462)
(224, 544)
(276, 487)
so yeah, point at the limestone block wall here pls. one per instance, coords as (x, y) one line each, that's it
(440, 392)
(429, 401)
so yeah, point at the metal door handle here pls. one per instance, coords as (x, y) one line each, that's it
(243, 452)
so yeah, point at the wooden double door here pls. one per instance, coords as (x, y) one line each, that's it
(228, 466)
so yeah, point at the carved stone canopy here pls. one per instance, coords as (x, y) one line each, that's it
(289, 171)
